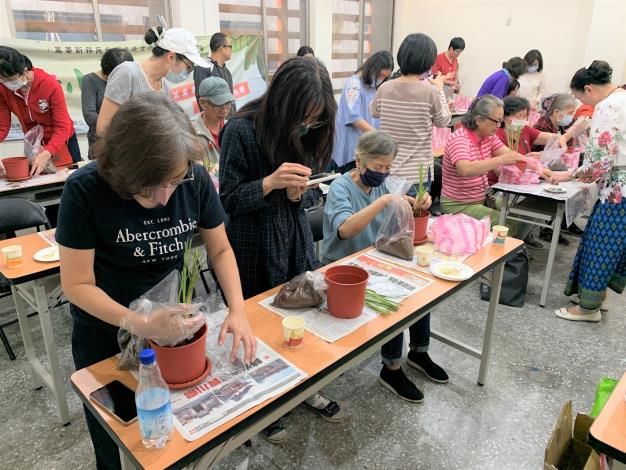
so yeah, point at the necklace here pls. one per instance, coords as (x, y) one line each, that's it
(614, 89)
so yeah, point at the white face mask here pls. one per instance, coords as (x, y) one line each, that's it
(15, 85)
(177, 77)
(518, 123)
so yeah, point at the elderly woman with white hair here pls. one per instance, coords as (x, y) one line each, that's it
(471, 152)
(354, 212)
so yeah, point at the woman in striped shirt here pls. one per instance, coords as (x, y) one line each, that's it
(408, 107)
(471, 152)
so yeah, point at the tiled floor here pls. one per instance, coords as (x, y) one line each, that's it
(538, 362)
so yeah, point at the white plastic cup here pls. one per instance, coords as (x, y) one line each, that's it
(500, 232)
(424, 255)
(12, 256)
(293, 331)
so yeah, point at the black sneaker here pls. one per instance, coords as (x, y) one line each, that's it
(275, 432)
(575, 230)
(423, 363)
(396, 382)
(546, 234)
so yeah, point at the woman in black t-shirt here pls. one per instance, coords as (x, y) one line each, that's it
(123, 225)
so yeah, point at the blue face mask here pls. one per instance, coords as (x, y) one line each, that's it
(177, 77)
(532, 68)
(566, 121)
(373, 179)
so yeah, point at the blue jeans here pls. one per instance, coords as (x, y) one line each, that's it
(419, 334)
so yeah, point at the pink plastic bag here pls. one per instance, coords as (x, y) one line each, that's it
(533, 117)
(440, 136)
(571, 159)
(521, 174)
(460, 234)
(461, 103)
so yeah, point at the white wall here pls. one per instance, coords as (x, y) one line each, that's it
(569, 33)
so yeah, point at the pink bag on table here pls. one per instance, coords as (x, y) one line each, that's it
(440, 136)
(520, 173)
(460, 234)
(571, 159)
(461, 103)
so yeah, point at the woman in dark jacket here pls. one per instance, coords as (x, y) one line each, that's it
(268, 151)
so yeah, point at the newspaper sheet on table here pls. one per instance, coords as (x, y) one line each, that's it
(232, 388)
(385, 279)
(48, 236)
(579, 197)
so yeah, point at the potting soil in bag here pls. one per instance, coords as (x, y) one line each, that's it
(551, 155)
(304, 290)
(32, 147)
(163, 296)
(395, 236)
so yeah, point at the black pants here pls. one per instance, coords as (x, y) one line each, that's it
(93, 342)
(435, 185)
(74, 149)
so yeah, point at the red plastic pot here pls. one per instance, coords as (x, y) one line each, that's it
(346, 291)
(16, 168)
(421, 225)
(183, 364)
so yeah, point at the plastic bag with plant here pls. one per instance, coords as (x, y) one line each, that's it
(395, 236)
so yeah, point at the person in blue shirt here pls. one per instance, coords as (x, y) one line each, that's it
(354, 212)
(497, 84)
(353, 115)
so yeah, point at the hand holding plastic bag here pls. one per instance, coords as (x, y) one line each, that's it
(396, 233)
(33, 147)
(551, 155)
(163, 324)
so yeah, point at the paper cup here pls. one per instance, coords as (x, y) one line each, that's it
(424, 255)
(293, 331)
(12, 256)
(500, 232)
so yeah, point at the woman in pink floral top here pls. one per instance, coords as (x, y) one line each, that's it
(601, 258)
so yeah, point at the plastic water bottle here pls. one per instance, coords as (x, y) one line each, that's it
(152, 398)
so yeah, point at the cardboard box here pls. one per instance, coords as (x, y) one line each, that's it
(567, 448)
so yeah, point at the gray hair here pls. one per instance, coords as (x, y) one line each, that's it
(558, 102)
(481, 107)
(375, 144)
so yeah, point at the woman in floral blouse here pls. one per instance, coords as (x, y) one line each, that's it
(601, 258)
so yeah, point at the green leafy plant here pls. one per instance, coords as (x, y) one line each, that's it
(380, 303)
(190, 273)
(513, 134)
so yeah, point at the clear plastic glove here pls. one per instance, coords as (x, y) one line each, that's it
(166, 326)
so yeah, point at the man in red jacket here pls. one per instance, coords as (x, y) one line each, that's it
(35, 97)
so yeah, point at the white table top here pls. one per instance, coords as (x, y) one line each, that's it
(41, 180)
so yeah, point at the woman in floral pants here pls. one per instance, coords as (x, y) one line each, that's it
(601, 258)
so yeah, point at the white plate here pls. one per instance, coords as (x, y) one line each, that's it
(452, 270)
(555, 189)
(47, 255)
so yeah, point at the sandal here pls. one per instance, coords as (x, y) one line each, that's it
(329, 410)
(593, 316)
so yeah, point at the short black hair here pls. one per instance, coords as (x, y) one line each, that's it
(598, 73)
(12, 62)
(514, 104)
(217, 41)
(371, 68)
(114, 57)
(305, 50)
(534, 55)
(417, 54)
(457, 43)
(515, 66)
(513, 85)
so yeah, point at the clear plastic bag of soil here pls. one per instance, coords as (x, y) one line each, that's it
(396, 233)
(305, 290)
(162, 296)
(32, 147)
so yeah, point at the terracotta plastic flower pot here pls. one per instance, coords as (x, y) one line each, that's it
(183, 364)
(421, 225)
(16, 168)
(346, 291)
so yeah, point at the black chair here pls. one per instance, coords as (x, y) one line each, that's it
(315, 216)
(17, 214)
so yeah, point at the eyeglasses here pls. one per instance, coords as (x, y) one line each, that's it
(315, 125)
(190, 67)
(497, 122)
(227, 46)
(189, 176)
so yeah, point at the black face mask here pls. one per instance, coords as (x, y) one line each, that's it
(373, 179)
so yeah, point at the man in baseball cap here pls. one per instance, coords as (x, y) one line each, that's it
(215, 101)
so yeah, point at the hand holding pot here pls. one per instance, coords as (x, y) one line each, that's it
(166, 326)
(237, 324)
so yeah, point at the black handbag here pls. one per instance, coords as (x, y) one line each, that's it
(514, 281)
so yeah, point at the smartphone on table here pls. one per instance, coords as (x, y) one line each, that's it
(118, 400)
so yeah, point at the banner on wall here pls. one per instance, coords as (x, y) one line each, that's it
(70, 61)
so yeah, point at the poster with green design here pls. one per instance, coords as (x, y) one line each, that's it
(70, 61)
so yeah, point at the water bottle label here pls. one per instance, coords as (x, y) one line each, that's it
(156, 423)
